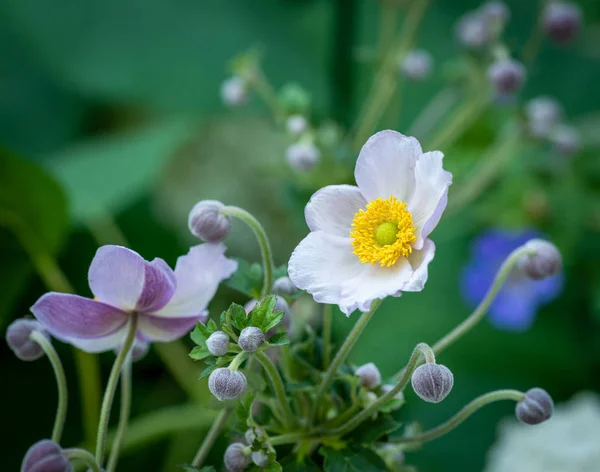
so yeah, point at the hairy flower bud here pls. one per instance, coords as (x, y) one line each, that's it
(536, 408)
(566, 140)
(284, 286)
(218, 343)
(543, 114)
(45, 456)
(562, 20)
(235, 459)
(417, 64)
(296, 125)
(251, 338)
(369, 376)
(432, 382)
(546, 260)
(17, 338)
(234, 91)
(207, 222)
(260, 459)
(303, 157)
(226, 384)
(506, 76)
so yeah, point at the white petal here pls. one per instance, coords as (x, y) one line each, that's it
(419, 260)
(198, 275)
(385, 166)
(430, 196)
(332, 209)
(325, 267)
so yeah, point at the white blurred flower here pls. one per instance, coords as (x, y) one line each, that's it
(417, 64)
(566, 140)
(303, 157)
(296, 125)
(543, 114)
(234, 91)
(569, 442)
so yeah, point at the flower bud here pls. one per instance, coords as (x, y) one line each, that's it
(546, 260)
(45, 456)
(207, 222)
(496, 12)
(234, 92)
(536, 408)
(543, 114)
(303, 157)
(388, 388)
(506, 76)
(284, 286)
(251, 338)
(473, 31)
(17, 338)
(417, 65)
(260, 459)
(562, 21)
(226, 384)
(235, 458)
(296, 125)
(432, 382)
(218, 343)
(250, 436)
(369, 376)
(566, 140)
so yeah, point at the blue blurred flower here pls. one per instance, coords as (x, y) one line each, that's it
(520, 298)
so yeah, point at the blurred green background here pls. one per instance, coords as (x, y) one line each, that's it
(113, 108)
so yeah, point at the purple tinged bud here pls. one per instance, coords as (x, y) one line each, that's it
(260, 459)
(432, 382)
(234, 92)
(218, 343)
(545, 261)
(566, 140)
(235, 459)
(369, 376)
(417, 64)
(506, 76)
(251, 338)
(284, 286)
(226, 384)
(46, 456)
(207, 222)
(562, 21)
(17, 338)
(536, 408)
(302, 156)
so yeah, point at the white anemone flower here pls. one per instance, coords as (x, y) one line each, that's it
(371, 241)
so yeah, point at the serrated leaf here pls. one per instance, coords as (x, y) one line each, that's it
(261, 313)
(200, 334)
(243, 410)
(199, 352)
(279, 339)
(371, 431)
(275, 320)
(238, 316)
(212, 326)
(207, 371)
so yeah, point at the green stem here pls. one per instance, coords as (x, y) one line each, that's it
(237, 360)
(421, 349)
(211, 437)
(342, 354)
(123, 416)
(462, 415)
(434, 111)
(84, 456)
(327, 315)
(288, 439)
(263, 242)
(266, 92)
(277, 384)
(111, 387)
(61, 383)
(534, 43)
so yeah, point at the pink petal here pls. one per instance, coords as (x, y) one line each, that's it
(159, 286)
(160, 328)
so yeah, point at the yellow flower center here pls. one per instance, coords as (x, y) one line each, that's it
(383, 232)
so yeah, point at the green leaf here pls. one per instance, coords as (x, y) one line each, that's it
(273, 466)
(212, 326)
(207, 370)
(274, 321)
(243, 409)
(199, 352)
(247, 279)
(346, 460)
(262, 311)
(33, 223)
(290, 464)
(371, 431)
(200, 334)
(279, 339)
(238, 316)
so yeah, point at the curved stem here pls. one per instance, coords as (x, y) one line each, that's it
(211, 437)
(84, 456)
(61, 383)
(263, 241)
(326, 335)
(288, 439)
(237, 360)
(123, 416)
(277, 383)
(422, 349)
(462, 415)
(111, 387)
(342, 354)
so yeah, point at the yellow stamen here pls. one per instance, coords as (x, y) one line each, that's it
(383, 232)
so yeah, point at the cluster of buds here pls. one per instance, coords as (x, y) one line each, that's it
(239, 456)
